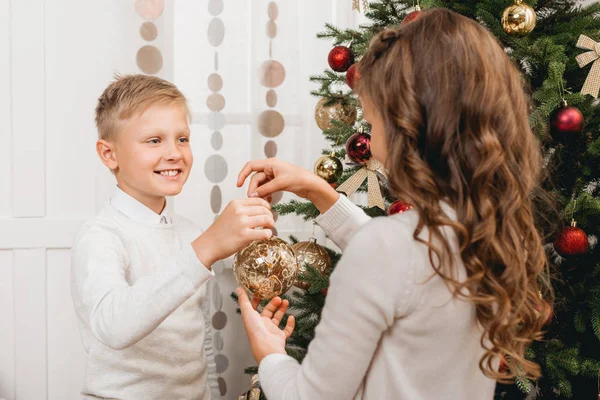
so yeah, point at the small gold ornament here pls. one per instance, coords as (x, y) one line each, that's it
(254, 392)
(519, 19)
(329, 168)
(266, 268)
(342, 112)
(314, 255)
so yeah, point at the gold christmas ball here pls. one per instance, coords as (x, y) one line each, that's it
(344, 113)
(329, 168)
(519, 19)
(314, 255)
(266, 268)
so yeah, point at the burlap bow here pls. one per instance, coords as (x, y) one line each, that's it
(368, 171)
(592, 82)
(356, 5)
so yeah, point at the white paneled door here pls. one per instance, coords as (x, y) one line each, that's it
(55, 59)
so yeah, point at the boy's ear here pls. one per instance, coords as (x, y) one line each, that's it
(106, 152)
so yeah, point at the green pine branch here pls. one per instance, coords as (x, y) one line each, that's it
(306, 210)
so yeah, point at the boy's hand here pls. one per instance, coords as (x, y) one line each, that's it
(273, 175)
(234, 229)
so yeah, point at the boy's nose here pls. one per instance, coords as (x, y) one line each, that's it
(173, 153)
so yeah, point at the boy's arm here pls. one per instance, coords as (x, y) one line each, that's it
(120, 314)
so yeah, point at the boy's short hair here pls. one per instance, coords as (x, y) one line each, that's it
(128, 95)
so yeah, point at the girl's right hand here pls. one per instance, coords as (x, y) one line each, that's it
(273, 175)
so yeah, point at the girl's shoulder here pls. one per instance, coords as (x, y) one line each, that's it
(403, 224)
(388, 237)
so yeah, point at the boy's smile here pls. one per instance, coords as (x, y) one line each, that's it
(169, 173)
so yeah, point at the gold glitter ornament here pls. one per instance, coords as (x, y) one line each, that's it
(345, 113)
(314, 255)
(329, 168)
(266, 268)
(519, 19)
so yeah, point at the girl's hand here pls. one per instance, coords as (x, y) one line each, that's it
(273, 175)
(262, 329)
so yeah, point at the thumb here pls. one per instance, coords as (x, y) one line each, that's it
(244, 302)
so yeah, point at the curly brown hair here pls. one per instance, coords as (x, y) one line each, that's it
(457, 130)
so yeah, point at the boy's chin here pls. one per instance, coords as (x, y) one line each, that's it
(171, 191)
(168, 190)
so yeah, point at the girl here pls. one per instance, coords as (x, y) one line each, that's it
(422, 305)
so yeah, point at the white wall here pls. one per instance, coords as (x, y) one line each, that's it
(56, 56)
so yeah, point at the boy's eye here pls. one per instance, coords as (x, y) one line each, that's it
(153, 141)
(184, 139)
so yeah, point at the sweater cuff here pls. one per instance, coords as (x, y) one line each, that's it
(335, 217)
(342, 220)
(194, 270)
(271, 369)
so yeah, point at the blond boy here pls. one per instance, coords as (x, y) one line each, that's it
(138, 271)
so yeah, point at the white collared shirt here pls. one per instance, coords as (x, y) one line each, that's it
(134, 209)
(138, 290)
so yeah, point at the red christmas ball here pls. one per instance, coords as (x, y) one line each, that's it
(565, 122)
(411, 17)
(546, 311)
(503, 366)
(398, 207)
(549, 314)
(571, 241)
(340, 58)
(358, 147)
(352, 75)
(324, 291)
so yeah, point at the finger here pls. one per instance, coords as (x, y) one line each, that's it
(269, 199)
(289, 326)
(254, 201)
(280, 312)
(257, 179)
(250, 167)
(255, 302)
(244, 303)
(274, 185)
(259, 234)
(258, 221)
(271, 307)
(253, 211)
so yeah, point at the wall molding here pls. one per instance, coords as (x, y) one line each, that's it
(34, 233)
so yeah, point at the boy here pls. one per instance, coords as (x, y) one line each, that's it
(138, 272)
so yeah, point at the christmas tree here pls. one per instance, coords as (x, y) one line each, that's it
(544, 38)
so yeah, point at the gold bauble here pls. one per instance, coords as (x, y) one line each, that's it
(519, 19)
(329, 168)
(266, 268)
(345, 113)
(314, 255)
